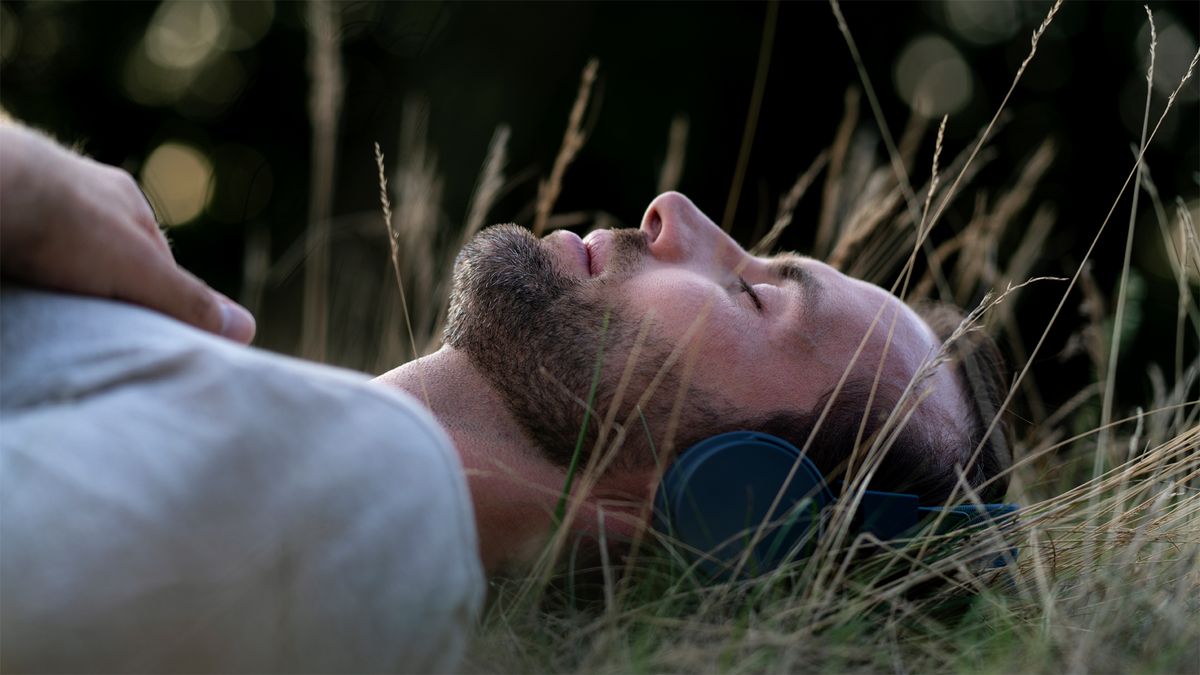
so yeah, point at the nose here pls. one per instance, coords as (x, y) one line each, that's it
(678, 231)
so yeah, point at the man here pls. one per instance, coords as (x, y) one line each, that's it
(763, 342)
(173, 501)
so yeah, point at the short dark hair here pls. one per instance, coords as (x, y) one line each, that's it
(919, 460)
(983, 375)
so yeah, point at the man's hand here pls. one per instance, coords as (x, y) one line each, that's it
(70, 223)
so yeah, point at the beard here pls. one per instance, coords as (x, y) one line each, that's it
(537, 336)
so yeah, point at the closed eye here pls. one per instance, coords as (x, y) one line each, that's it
(749, 290)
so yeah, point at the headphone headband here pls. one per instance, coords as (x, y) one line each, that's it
(720, 491)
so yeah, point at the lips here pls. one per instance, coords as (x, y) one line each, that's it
(570, 253)
(599, 246)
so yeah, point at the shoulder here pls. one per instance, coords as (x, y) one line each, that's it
(95, 362)
(219, 466)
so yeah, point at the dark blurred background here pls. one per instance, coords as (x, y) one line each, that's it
(206, 102)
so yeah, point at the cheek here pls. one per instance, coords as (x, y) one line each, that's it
(678, 304)
(735, 355)
(895, 348)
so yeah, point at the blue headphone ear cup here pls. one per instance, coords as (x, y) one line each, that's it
(716, 495)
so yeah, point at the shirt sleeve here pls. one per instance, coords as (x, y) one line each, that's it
(170, 501)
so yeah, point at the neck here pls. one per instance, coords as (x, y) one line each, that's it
(514, 492)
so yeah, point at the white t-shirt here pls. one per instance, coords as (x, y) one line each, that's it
(171, 501)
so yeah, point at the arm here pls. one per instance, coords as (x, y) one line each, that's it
(69, 223)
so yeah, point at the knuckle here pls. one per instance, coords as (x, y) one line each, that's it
(123, 181)
(129, 188)
(122, 177)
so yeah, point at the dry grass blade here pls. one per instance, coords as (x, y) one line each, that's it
(488, 188)
(418, 187)
(831, 212)
(1109, 561)
(256, 266)
(1020, 266)
(1033, 42)
(1114, 351)
(1087, 255)
(1177, 249)
(894, 156)
(672, 166)
(1188, 244)
(933, 174)
(325, 101)
(573, 140)
(976, 264)
(491, 181)
(756, 97)
(861, 229)
(394, 247)
(876, 239)
(787, 205)
(1188, 226)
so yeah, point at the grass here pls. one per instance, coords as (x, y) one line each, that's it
(1108, 573)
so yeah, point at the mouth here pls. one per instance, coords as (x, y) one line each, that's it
(572, 253)
(598, 244)
(590, 257)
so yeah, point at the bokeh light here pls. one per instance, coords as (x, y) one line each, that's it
(41, 36)
(983, 23)
(148, 83)
(185, 52)
(177, 179)
(216, 86)
(1153, 254)
(181, 38)
(1132, 109)
(932, 77)
(183, 33)
(10, 34)
(1176, 46)
(1180, 234)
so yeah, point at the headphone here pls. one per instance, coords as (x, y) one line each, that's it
(716, 495)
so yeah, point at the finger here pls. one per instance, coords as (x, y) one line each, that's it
(155, 281)
(160, 238)
(147, 217)
(239, 322)
(243, 326)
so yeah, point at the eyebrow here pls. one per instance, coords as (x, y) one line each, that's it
(805, 282)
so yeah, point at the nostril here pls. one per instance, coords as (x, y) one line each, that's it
(653, 225)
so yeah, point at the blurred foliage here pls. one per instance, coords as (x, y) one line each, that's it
(206, 101)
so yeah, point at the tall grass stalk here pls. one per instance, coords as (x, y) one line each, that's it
(385, 205)
(1114, 350)
(573, 140)
(324, 105)
(578, 452)
(672, 166)
(756, 96)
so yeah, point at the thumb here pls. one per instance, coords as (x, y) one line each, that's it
(237, 323)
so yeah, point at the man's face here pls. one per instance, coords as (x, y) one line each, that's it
(762, 335)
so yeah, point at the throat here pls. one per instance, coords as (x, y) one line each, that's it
(513, 488)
